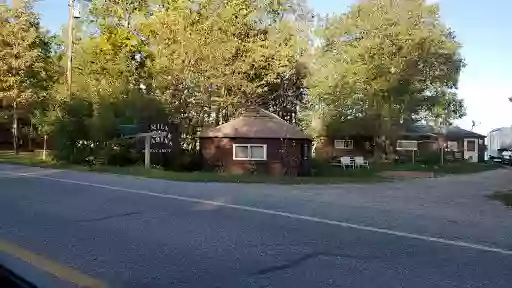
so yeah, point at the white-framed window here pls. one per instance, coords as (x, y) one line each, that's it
(344, 144)
(406, 145)
(452, 146)
(250, 152)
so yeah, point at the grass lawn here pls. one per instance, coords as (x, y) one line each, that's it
(336, 177)
(459, 167)
(27, 158)
(504, 197)
(200, 176)
(324, 174)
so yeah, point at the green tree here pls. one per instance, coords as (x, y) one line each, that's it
(198, 62)
(384, 64)
(206, 68)
(27, 68)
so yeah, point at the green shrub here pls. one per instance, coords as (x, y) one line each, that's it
(320, 167)
(119, 152)
(71, 140)
(429, 158)
(186, 161)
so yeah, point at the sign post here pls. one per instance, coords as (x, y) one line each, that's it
(409, 145)
(147, 151)
(160, 140)
(133, 131)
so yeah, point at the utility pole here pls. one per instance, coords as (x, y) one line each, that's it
(71, 16)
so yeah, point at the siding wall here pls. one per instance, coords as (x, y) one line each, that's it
(284, 157)
(325, 148)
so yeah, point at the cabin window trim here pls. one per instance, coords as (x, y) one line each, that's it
(344, 144)
(452, 146)
(250, 157)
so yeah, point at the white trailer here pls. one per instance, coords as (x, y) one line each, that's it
(499, 140)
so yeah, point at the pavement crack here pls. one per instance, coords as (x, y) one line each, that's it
(300, 260)
(110, 217)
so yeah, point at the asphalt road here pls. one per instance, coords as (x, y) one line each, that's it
(130, 232)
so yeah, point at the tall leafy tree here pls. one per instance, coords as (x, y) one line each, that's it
(219, 64)
(27, 69)
(383, 64)
(110, 62)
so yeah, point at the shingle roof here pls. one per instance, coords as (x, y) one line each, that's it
(421, 130)
(449, 132)
(256, 123)
(457, 132)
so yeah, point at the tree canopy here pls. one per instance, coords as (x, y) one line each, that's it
(380, 66)
(384, 64)
(27, 68)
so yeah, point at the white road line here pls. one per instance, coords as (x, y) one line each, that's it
(9, 174)
(291, 215)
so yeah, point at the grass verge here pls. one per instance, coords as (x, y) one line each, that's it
(342, 176)
(459, 167)
(325, 174)
(504, 197)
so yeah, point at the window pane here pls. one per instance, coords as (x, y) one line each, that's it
(257, 152)
(471, 146)
(453, 146)
(241, 152)
(343, 144)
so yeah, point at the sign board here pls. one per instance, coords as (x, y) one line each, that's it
(162, 137)
(164, 140)
(407, 145)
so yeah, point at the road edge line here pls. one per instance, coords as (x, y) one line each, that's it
(49, 266)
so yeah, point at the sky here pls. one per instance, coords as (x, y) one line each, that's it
(481, 26)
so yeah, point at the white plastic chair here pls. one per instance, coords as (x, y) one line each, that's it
(347, 161)
(360, 162)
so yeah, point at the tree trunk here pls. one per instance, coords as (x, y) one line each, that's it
(15, 130)
(30, 136)
(217, 116)
(379, 148)
(44, 147)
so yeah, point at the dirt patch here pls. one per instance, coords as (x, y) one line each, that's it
(504, 197)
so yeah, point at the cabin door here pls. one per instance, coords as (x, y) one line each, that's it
(471, 150)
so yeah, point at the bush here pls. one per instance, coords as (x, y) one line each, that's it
(429, 158)
(193, 161)
(119, 152)
(189, 161)
(318, 167)
(71, 140)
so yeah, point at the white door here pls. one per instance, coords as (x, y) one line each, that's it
(471, 150)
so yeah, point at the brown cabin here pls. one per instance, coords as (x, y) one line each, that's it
(458, 144)
(258, 142)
